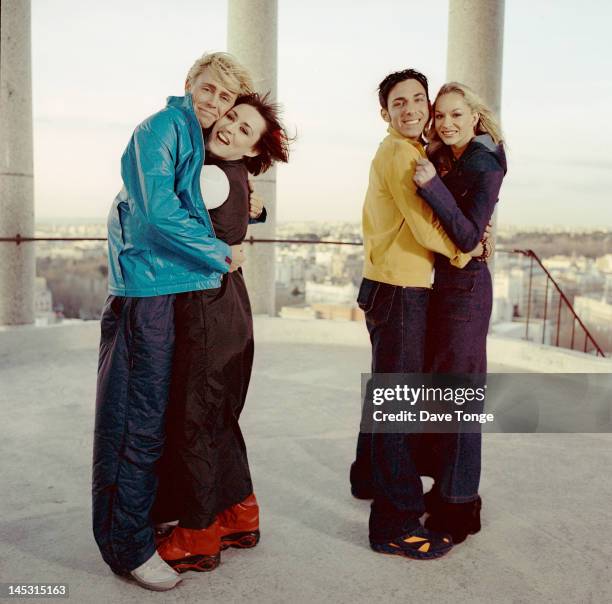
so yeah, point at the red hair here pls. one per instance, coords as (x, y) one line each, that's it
(273, 145)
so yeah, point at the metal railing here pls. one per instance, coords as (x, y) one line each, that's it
(563, 302)
(18, 239)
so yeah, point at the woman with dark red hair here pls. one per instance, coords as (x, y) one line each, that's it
(204, 474)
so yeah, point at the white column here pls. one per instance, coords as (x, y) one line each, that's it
(17, 262)
(252, 39)
(475, 47)
(475, 51)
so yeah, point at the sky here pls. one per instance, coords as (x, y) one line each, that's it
(98, 69)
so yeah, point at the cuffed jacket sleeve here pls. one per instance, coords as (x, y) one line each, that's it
(261, 218)
(419, 217)
(148, 168)
(465, 227)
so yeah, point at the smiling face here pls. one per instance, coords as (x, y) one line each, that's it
(210, 98)
(454, 120)
(408, 109)
(237, 133)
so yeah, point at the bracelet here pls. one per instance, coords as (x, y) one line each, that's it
(486, 252)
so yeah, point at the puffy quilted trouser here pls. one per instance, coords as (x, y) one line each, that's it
(135, 363)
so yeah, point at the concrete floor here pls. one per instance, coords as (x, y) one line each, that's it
(546, 517)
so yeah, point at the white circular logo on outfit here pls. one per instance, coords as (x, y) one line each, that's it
(214, 185)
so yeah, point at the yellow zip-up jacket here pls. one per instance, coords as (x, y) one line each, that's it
(400, 231)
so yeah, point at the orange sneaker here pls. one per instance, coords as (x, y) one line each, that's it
(192, 549)
(239, 524)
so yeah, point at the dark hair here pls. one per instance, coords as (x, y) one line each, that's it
(273, 145)
(385, 87)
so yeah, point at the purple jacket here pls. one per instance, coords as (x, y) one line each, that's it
(465, 196)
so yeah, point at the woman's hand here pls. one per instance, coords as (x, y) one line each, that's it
(486, 248)
(478, 251)
(238, 257)
(424, 172)
(256, 203)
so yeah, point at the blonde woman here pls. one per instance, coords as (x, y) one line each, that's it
(461, 183)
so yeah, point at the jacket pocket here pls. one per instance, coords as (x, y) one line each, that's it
(116, 304)
(137, 266)
(111, 317)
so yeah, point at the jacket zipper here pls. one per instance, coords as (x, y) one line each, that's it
(212, 226)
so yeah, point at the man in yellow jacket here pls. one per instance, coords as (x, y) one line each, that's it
(401, 235)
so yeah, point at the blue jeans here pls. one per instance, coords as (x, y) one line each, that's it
(396, 318)
(459, 314)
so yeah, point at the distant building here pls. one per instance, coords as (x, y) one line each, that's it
(594, 312)
(508, 288)
(43, 303)
(290, 269)
(541, 332)
(334, 312)
(323, 293)
(597, 316)
(338, 312)
(297, 312)
(604, 263)
(43, 299)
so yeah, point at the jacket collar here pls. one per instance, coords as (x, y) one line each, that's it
(185, 103)
(484, 141)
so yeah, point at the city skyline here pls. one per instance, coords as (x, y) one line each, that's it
(87, 103)
(76, 221)
(321, 280)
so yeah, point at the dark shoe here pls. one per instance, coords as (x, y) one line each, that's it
(432, 501)
(457, 519)
(419, 544)
(361, 487)
(239, 524)
(192, 549)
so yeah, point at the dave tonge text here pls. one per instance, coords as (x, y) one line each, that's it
(427, 416)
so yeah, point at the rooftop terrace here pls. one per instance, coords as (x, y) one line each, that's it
(546, 516)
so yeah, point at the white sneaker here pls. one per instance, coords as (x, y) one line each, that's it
(155, 574)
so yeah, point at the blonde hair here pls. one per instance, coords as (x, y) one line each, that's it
(487, 122)
(225, 69)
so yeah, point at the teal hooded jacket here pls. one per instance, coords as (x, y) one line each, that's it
(160, 236)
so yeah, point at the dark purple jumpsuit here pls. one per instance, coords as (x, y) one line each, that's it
(204, 469)
(460, 305)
